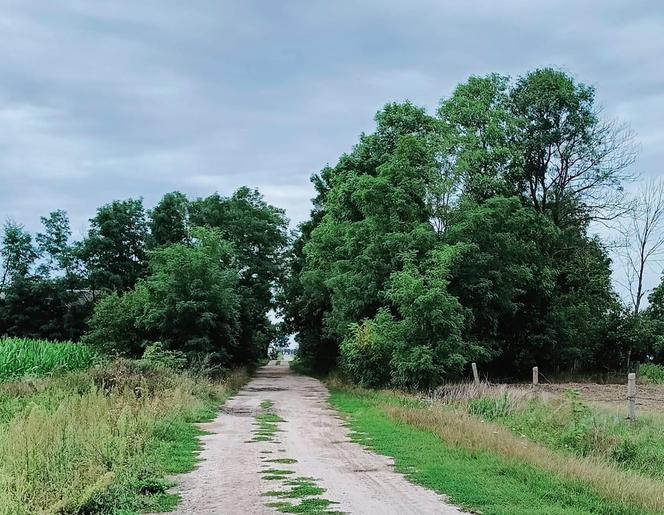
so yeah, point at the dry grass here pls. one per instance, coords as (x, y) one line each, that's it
(459, 429)
(464, 393)
(85, 439)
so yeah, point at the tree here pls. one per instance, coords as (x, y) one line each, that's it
(538, 294)
(642, 246)
(192, 297)
(478, 131)
(327, 263)
(169, 220)
(39, 307)
(53, 243)
(258, 233)
(18, 254)
(114, 251)
(189, 302)
(572, 164)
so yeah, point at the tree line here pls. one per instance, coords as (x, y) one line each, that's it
(464, 235)
(196, 277)
(440, 239)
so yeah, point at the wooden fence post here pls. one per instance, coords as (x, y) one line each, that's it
(631, 396)
(535, 376)
(476, 375)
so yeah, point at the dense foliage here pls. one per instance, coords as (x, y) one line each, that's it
(464, 235)
(440, 239)
(195, 277)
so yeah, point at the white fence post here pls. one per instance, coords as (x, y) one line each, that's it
(631, 396)
(476, 375)
(535, 376)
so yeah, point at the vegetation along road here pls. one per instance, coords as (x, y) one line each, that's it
(278, 444)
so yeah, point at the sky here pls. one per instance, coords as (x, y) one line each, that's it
(111, 100)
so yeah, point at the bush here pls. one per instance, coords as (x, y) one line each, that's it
(652, 373)
(156, 354)
(367, 352)
(189, 303)
(413, 367)
(114, 325)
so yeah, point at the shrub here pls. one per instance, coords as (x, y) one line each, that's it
(413, 367)
(366, 353)
(114, 325)
(156, 354)
(652, 373)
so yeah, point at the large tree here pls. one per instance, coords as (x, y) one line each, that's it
(258, 233)
(18, 254)
(114, 251)
(169, 220)
(572, 162)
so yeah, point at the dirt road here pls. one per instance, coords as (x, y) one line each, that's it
(279, 436)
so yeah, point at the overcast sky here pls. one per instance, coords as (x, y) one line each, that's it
(109, 100)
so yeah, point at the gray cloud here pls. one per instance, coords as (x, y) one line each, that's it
(117, 99)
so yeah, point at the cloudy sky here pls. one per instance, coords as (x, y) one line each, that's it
(109, 100)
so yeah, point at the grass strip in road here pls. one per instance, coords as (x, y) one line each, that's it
(267, 423)
(285, 461)
(464, 458)
(311, 506)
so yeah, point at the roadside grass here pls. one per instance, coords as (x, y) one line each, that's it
(21, 357)
(101, 440)
(567, 424)
(486, 467)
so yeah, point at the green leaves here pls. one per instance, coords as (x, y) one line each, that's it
(463, 236)
(114, 251)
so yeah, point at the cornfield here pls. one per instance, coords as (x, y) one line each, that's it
(21, 357)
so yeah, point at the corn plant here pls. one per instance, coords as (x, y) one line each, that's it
(21, 357)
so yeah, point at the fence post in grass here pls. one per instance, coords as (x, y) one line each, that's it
(476, 375)
(535, 376)
(631, 396)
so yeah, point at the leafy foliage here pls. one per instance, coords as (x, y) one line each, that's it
(652, 373)
(464, 236)
(140, 278)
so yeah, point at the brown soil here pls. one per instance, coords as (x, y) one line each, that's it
(649, 398)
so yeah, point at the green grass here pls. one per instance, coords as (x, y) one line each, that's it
(266, 424)
(570, 425)
(474, 479)
(297, 494)
(305, 506)
(20, 357)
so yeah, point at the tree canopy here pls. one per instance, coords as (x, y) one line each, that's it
(464, 235)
